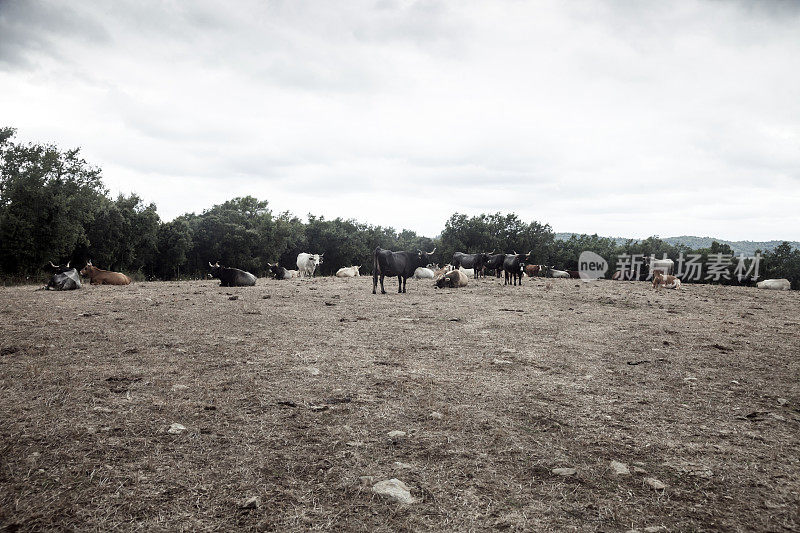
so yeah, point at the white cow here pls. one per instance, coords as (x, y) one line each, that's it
(348, 272)
(558, 273)
(782, 284)
(307, 263)
(423, 273)
(469, 272)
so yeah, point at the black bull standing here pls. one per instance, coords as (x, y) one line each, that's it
(474, 261)
(400, 264)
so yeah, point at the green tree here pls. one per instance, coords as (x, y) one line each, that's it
(47, 200)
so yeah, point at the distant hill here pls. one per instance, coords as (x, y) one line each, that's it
(743, 247)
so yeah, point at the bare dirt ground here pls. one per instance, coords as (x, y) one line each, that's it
(288, 392)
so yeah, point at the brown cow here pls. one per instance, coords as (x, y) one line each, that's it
(104, 277)
(452, 279)
(532, 270)
(667, 282)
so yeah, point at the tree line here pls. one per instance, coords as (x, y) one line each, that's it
(54, 207)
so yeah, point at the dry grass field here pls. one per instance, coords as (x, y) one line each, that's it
(288, 390)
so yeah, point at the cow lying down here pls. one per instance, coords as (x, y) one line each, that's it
(660, 281)
(65, 278)
(279, 272)
(232, 277)
(453, 279)
(782, 284)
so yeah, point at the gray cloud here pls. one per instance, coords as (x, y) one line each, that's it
(613, 117)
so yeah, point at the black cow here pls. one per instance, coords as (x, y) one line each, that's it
(400, 264)
(65, 278)
(495, 262)
(232, 277)
(475, 261)
(513, 266)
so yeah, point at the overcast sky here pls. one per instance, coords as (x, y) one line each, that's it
(618, 118)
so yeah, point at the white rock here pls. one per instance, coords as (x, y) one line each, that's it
(395, 490)
(639, 470)
(620, 469)
(501, 362)
(405, 466)
(564, 471)
(654, 483)
(312, 370)
(396, 434)
(179, 387)
(437, 415)
(251, 503)
(782, 401)
(176, 429)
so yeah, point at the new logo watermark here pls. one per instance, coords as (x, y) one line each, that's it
(591, 266)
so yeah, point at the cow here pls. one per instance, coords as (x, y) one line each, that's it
(423, 273)
(513, 266)
(64, 279)
(348, 272)
(663, 281)
(279, 272)
(574, 274)
(231, 277)
(476, 262)
(558, 273)
(532, 270)
(781, 284)
(104, 277)
(453, 279)
(495, 262)
(400, 264)
(307, 263)
(470, 272)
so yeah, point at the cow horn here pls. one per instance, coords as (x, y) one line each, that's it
(432, 251)
(52, 265)
(68, 262)
(209, 264)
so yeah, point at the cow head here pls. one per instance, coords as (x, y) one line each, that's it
(60, 269)
(357, 268)
(85, 271)
(275, 269)
(214, 269)
(424, 258)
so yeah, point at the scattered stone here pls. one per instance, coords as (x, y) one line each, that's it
(620, 469)
(354, 443)
(234, 297)
(654, 529)
(330, 304)
(366, 480)
(654, 483)
(179, 387)
(396, 434)
(782, 401)
(251, 503)
(101, 409)
(689, 379)
(639, 470)
(566, 472)
(437, 415)
(176, 429)
(402, 465)
(501, 362)
(395, 490)
(314, 371)
(266, 297)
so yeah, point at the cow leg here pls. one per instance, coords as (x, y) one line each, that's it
(374, 281)
(383, 291)
(399, 284)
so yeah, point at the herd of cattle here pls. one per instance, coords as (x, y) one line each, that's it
(403, 265)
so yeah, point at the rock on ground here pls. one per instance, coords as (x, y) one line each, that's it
(394, 489)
